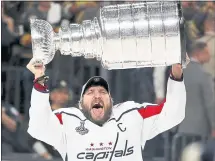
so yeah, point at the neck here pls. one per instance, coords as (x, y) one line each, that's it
(56, 106)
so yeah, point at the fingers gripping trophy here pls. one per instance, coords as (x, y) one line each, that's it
(148, 34)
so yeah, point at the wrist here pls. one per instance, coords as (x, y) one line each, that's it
(36, 76)
(41, 79)
(176, 77)
(40, 84)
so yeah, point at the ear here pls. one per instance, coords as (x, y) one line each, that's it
(112, 100)
(79, 104)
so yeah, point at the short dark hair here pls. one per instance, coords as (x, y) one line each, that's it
(197, 46)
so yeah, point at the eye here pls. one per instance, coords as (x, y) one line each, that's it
(89, 92)
(103, 92)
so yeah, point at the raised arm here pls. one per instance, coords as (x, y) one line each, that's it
(162, 117)
(159, 83)
(44, 125)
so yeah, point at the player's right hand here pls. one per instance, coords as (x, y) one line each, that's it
(36, 67)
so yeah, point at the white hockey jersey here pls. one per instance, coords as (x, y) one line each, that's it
(121, 138)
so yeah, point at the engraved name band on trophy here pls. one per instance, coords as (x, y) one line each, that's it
(136, 35)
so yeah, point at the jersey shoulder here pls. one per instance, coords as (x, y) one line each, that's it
(61, 110)
(72, 111)
(129, 106)
(125, 107)
(130, 109)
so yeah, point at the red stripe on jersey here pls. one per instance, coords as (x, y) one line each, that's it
(151, 110)
(59, 116)
(40, 87)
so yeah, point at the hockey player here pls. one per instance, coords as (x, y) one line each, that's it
(97, 129)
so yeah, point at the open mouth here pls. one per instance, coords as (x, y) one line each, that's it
(97, 106)
(97, 110)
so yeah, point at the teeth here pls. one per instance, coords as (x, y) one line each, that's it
(97, 104)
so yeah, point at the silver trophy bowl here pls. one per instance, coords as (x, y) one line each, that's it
(42, 36)
(136, 35)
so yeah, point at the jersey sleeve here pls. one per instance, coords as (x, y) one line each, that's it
(159, 81)
(162, 117)
(44, 125)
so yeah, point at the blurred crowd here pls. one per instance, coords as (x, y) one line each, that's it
(148, 85)
(16, 22)
(14, 127)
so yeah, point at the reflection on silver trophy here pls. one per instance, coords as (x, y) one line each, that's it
(146, 34)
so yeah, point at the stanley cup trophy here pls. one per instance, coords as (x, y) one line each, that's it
(146, 34)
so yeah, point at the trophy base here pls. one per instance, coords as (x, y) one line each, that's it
(134, 64)
(89, 56)
(76, 54)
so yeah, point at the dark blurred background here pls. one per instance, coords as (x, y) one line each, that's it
(68, 74)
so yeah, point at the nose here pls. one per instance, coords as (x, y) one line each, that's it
(97, 94)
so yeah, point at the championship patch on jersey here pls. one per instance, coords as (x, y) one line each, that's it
(81, 129)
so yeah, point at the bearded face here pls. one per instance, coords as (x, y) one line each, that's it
(97, 105)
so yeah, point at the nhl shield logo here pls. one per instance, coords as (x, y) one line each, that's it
(81, 129)
(96, 79)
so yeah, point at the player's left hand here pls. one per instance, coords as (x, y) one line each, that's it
(177, 70)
